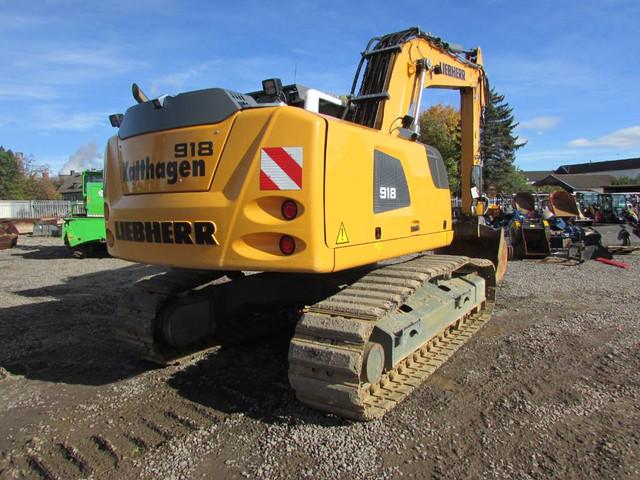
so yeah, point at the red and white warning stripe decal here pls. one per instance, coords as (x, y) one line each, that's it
(281, 168)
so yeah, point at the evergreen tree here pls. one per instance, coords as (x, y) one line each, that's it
(10, 176)
(498, 146)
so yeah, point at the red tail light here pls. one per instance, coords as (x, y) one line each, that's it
(287, 244)
(289, 209)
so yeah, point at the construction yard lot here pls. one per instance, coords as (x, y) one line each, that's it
(549, 388)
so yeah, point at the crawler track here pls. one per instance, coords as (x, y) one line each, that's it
(138, 311)
(328, 350)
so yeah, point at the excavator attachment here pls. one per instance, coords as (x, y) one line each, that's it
(564, 205)
(529, 234)
(524, 202)
(476, 240)
(530, 239)
(618, 237)
(604, 238)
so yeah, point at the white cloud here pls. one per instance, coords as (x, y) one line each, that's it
(79, 121)
(38, 92)
(86, 157)
(227, 73)
(232, 73)
(522, 75)
(540, 123)
(107, 60)
(532, 159)
(53, 117)
(540, 157)
(176, 81)
(46, 74)
(624, 138)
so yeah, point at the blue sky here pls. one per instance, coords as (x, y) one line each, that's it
(568, 68)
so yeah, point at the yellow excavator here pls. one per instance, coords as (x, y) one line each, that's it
(291, 204)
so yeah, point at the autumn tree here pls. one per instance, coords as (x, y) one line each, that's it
(22, 179)
(37, 182)
(440, 128)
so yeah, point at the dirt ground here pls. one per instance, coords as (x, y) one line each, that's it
(549, 388)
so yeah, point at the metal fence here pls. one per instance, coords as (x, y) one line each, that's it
(456, 202)
(38, 208)
(62, 208)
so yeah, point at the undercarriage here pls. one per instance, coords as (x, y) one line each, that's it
(364, 338)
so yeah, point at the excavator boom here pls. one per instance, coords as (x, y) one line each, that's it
(399, 66)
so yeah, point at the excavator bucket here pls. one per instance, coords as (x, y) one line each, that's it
(564, 205)
(524, 202)
(530, 239)
(529, 236)
(476, 240)
(535, 240)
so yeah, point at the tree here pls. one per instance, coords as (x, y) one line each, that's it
(513, 181)
(37, 183)
(624, 180)
(22, 179)
(10, 175)
(440, 128)
(498, 146)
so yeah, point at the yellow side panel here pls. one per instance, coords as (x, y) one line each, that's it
(351, 223)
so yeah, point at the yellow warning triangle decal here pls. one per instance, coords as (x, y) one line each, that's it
(342, 235)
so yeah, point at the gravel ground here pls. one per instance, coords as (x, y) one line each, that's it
(548, 389)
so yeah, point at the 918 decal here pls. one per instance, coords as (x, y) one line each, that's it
(388, 193)
(193, 149)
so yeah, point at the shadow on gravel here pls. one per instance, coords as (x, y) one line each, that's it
(50, 252)
(68, 339)
(42, 252)
(250, 378)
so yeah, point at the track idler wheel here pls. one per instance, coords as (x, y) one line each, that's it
(373, 363)
(188, 321)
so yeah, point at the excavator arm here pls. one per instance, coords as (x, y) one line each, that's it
(399, 66)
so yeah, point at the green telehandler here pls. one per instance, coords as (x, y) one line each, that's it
(84, 231)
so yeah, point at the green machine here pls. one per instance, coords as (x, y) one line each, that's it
(84, 231)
